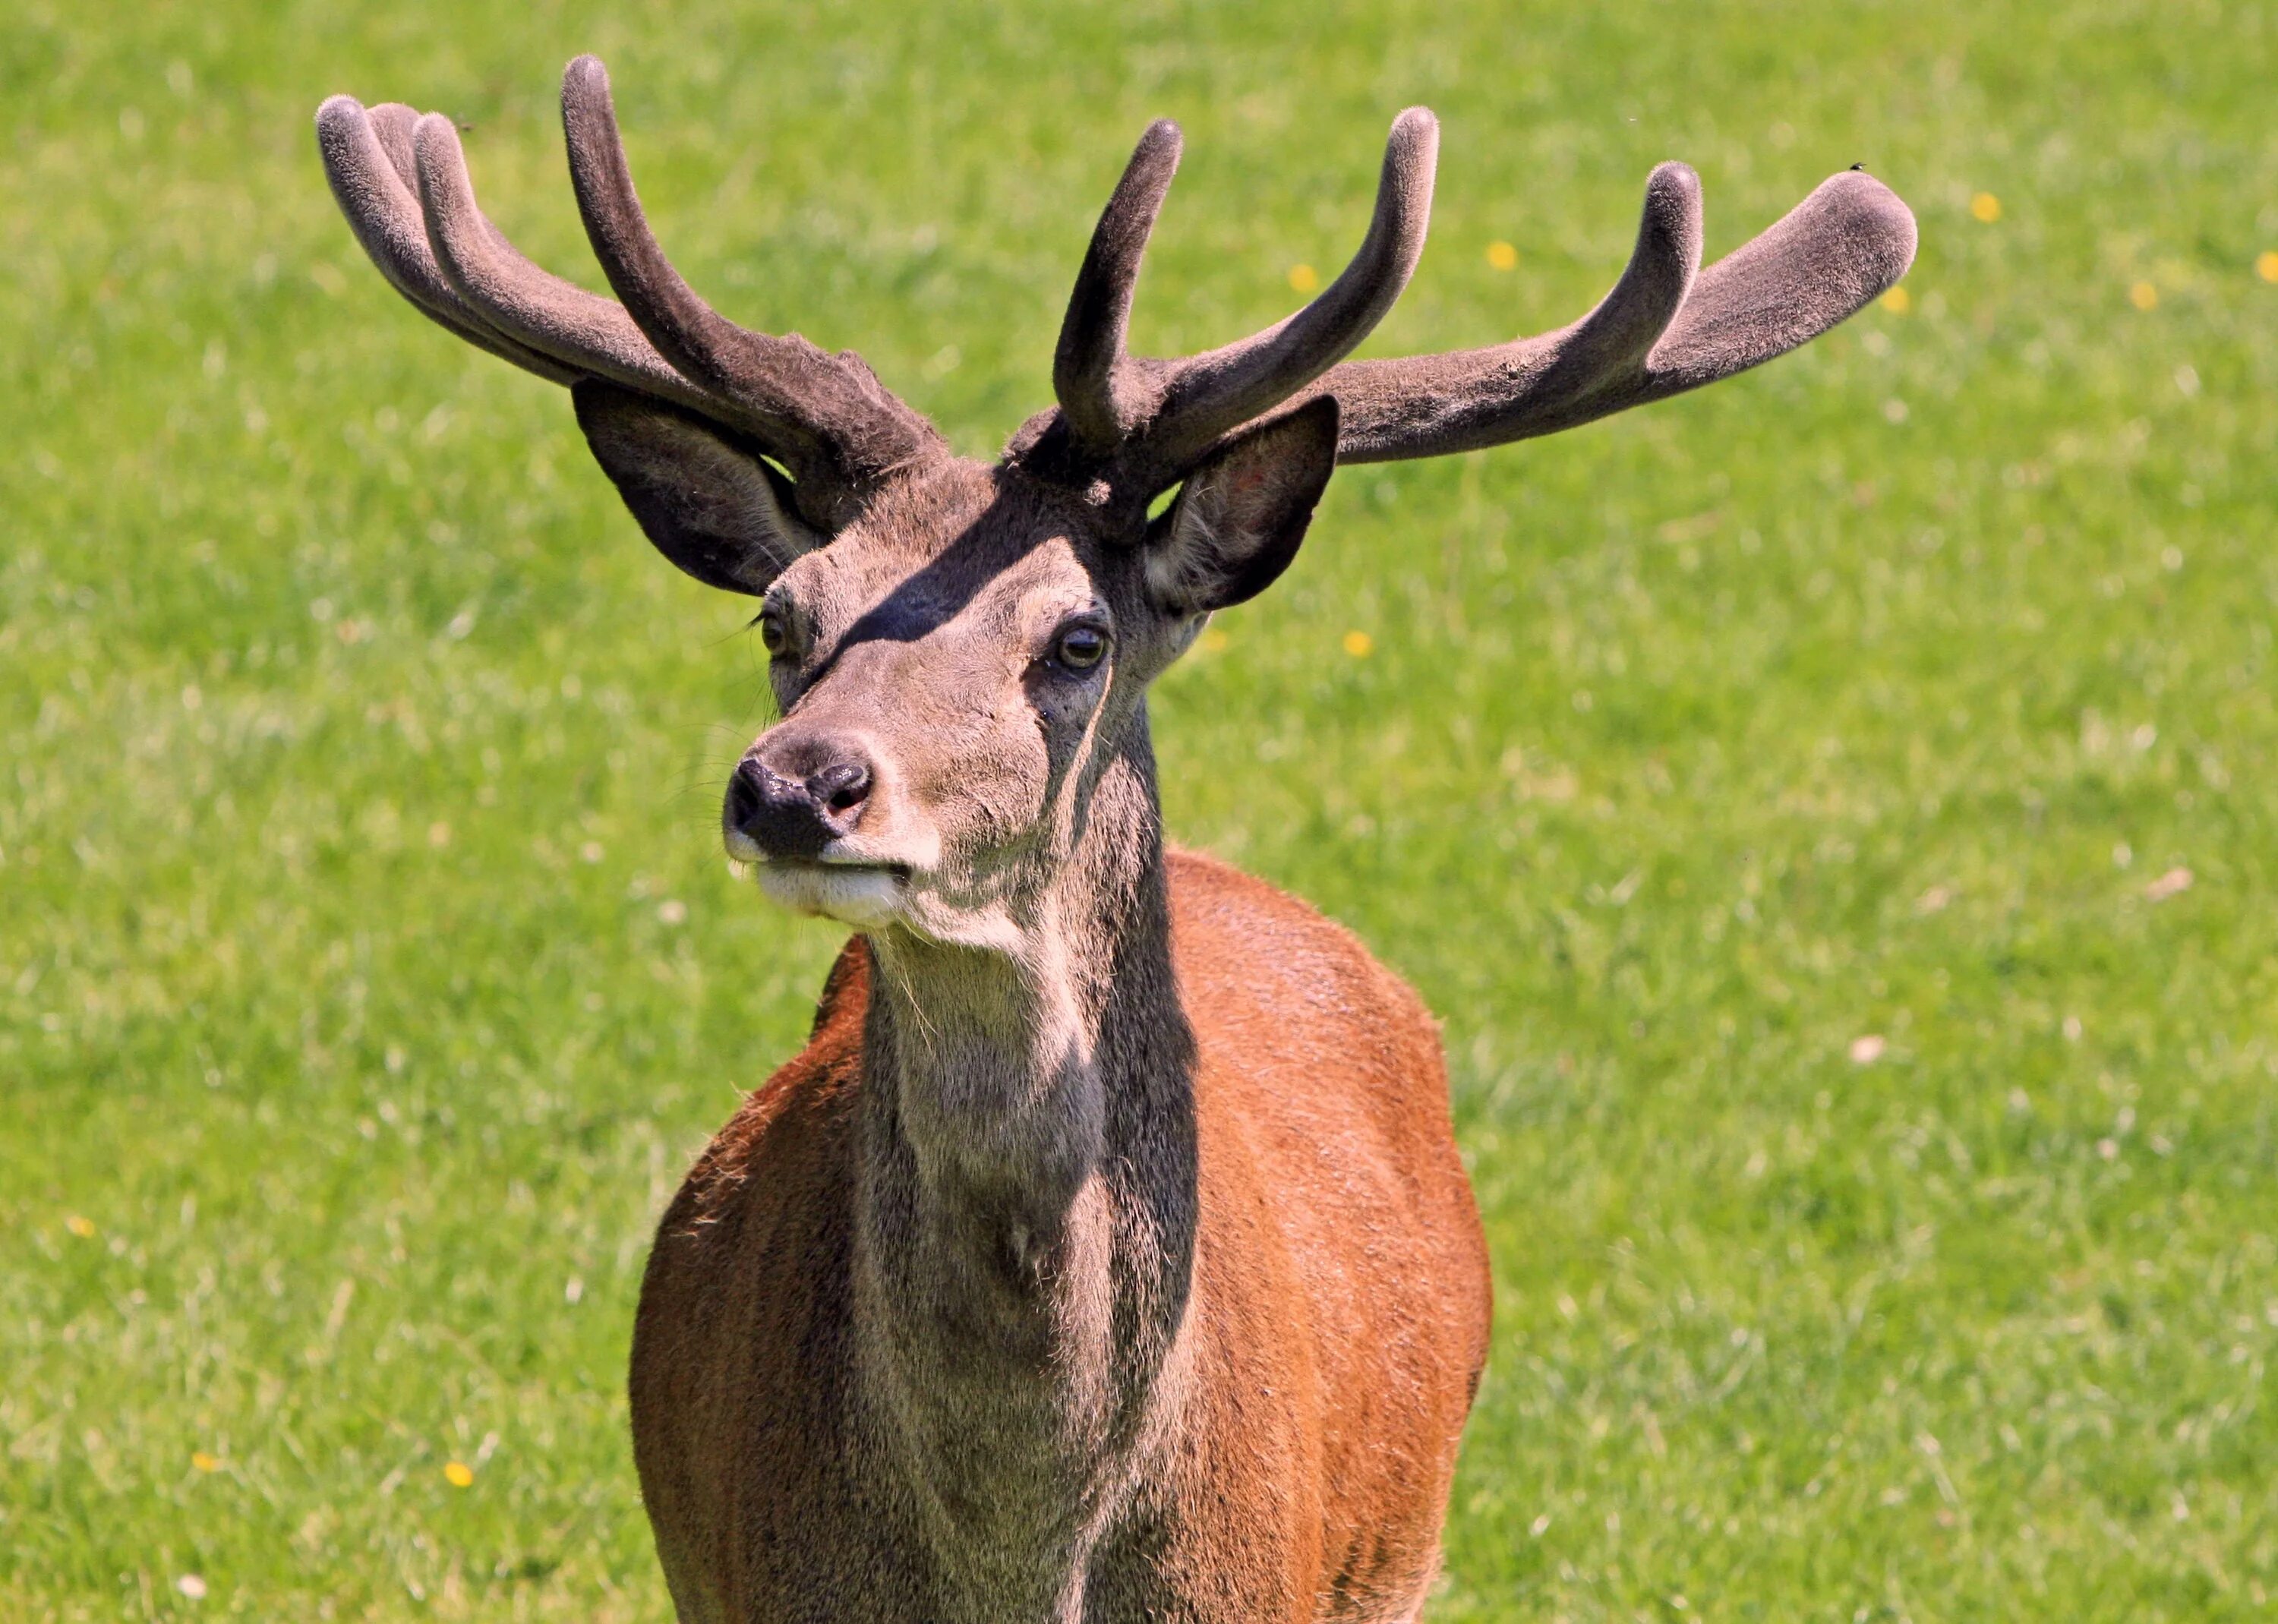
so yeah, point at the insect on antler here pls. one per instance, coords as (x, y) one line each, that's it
(402, 180)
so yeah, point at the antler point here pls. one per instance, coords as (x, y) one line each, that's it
(1164, 137)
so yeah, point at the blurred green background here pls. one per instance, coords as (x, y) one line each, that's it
(1832, 814)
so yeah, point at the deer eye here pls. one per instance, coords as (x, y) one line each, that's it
(774, 635)
(1079, 647)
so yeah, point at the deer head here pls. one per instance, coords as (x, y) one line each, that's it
(961, 652)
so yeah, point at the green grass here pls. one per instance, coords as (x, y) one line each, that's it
(369, 972)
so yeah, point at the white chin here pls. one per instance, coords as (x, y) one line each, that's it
(866, 898)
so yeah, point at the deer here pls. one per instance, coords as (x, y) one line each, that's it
(1106, 1255)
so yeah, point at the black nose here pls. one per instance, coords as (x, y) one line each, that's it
(795, 797)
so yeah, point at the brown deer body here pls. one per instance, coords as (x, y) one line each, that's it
(1200, 1399)
(1106, 1255)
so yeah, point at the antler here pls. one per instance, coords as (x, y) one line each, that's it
(401, 180)
(1155, 418)
(1662, 329)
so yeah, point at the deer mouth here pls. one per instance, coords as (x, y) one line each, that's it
(898, 873)
(861, 893)
(840, 855)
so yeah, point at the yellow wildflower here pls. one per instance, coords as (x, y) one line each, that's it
(1359, 645)
(1898, 302)
(1985, 208)
(2144, 296)
(1502, 256)
(458, 1473)
(1305, 278)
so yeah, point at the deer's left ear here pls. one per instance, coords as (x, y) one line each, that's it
(710, 502)
(1240, 516)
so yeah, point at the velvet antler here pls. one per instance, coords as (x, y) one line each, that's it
(1152, 419)
(1139, 424)
(401, 180)
(1661, 330)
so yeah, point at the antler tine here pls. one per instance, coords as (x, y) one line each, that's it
(827, 416)
(1616, 337)
(585, 333)
(1821, 261)
(371, 183)
(392, 123)
(1662, 329)
(1089, 374)
(1207, 395)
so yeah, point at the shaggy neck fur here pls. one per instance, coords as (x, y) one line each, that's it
(1026, 1218)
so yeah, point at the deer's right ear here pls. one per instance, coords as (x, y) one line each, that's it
(709, 501)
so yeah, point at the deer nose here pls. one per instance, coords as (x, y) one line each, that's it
(790, 812)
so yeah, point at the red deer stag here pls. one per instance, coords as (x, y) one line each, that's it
(1106, 1255)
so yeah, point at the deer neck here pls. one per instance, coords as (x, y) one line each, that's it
(1026, 1215)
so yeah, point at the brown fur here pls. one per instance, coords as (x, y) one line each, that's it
(1333, 1337)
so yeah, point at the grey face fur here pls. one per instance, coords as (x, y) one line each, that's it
(962, 664)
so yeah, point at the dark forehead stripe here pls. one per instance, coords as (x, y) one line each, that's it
(972, 547)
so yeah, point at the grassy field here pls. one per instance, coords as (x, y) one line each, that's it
(1833, 815)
